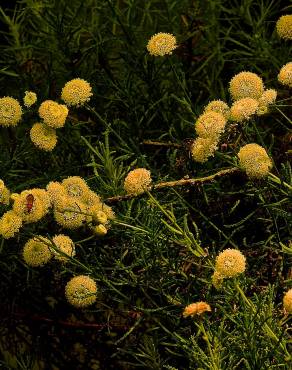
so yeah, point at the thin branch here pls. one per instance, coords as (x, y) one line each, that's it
(159, 143)
(171, 184)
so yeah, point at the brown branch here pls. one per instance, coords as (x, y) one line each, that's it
(159, 143)
(171, 184)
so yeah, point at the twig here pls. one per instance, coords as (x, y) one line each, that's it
(159, 143)
(171, 184)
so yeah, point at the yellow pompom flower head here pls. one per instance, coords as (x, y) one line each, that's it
(203, 148)
(254, 159)
(36, 251)
(70, 213)
(43, 136)
(76, 187)
(218, 106)
(10, 224)
(196, 309)
(243, 109)
(284, 27)
(76, 92)
(210, 125)
(285, 75)
(287, 301)
(63, 247)
(53, 114)
(81, 291)
(161, 44)
(246, 85)
(230, 263)
(137, 181)
(29, 98)
(4, 193)
(10, 111)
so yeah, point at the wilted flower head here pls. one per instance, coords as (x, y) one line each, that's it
(218, 106)
(32, 205)
(161, 44)
(137, 181)
(29, 98)
(202, 149)
(210, 124)
(243, 109)
(287, 301)
(36, 251)
(53, 114)
(4, 193)
(285, 75)
(254, 159)
(76, 92)
(246, 85)
(284, 27)
(10, 223)
(43, 136)
(81, 291)
(196, 309)
(10, 111)
(230, 262)
(63, 245)
(76, 187)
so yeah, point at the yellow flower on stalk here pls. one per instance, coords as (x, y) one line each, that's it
(99, 230)
(217, 280)
(10, 111)
(63, 245)
(4, 193)
(32, 205)
(98, 209)
(246, 85)
(53, 114)
(81, 291)
(202, 149)
(70, 213)
(76, 187)
(161, 44)
(284, 27)
(287, 301)
(56, 192)
(210, 125)
(76, 92)
(229, 263)
(269, 97)
(254, 159)
(36, 251)
(285, 75)
(218, 106)
(243, 109)
(29, 98)
(10, 224)
(196, 309)
(43, 136)
(137, 181)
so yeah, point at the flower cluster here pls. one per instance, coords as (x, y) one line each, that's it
(196, 309)
(254, 160)
(81, 291)
(161, 44)
(284, 27)
(229, 263)
(246, 85)
(76, 92)
(10, 111)
(137, 181)
(285, 75)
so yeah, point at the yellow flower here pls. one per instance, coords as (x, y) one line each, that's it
(196, 309)
(210, 125)
(10, 111)
(254, 160)
(76, 187)
(217, 280)
(43, 137)
(99, 217)
(81, 291)
(287, 301)
(4, 193)
(246, 85)
(284, 27)
(161, 44)
(53, 114)
(230, 262)
(63, 244)
(92, 199)
(97, 209)
(10, 223)
(36, 251)
(243, 109)
(269, 97)
(218, 106)
(285, 75)
(76, 92)
(99, 230)
(56, 192)
(70, 213)
(202, 149)
(29, 98)
(137, 181)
